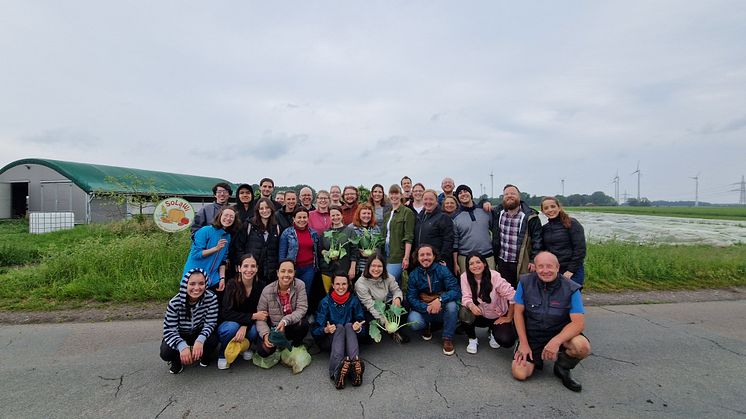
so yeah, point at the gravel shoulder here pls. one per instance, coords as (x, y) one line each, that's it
(155, 310)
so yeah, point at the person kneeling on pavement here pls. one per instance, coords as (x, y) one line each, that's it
(549, 319)
(339, 321)
(286, 303)
(189, 323)
(486, 301)
(433, 293)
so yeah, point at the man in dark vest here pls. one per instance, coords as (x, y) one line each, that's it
(549, 319)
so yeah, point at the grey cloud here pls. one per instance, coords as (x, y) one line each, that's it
(68, 137)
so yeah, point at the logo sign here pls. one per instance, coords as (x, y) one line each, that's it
(173, 214)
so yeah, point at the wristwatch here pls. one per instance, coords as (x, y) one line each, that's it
(440, 300)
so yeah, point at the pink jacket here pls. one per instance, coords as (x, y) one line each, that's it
(502, 294)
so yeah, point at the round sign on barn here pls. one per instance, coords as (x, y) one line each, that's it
(173, 214)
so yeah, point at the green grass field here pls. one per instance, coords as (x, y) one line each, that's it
(718, 213)
(130, 262)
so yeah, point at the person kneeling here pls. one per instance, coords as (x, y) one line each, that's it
(339, 320)
(486, 301)
(433, 293)
(286, 303)
(189, 323)
(549, 319)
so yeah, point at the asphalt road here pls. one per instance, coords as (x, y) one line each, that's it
(666, 360)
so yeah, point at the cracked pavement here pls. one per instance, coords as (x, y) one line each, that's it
(664, 360)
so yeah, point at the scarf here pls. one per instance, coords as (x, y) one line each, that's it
(340, 299)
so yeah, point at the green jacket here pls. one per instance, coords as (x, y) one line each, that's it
(402, 231)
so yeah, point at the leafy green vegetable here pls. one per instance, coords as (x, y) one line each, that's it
(267, 362)
(391, 316)
(296, 358)
(368, 242)
(338, 241)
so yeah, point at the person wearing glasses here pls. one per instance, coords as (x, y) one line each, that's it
(207, 213)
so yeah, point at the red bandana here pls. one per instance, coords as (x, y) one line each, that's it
(340, 299)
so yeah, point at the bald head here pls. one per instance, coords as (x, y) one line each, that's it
(547, 266)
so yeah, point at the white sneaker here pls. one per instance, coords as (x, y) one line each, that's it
(472, 347)
(223, 364)
(247, 354)
(493, 342)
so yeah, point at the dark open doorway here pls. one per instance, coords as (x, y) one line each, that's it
(18, 199)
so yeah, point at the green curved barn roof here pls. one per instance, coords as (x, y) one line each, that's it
(91, 177)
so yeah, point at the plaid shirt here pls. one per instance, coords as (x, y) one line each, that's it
(509, 227)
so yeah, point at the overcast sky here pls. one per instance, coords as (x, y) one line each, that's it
(365, 92)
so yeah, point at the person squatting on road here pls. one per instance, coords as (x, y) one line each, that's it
(549, 319)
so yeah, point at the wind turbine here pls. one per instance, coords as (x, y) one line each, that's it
(563, 187)
(696, 188)
(638, 179)
(615, 181)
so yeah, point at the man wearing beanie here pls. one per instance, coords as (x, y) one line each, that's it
(471, 230)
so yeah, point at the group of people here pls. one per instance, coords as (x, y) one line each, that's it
(270, 269)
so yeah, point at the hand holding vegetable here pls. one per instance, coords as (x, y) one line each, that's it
(267, 343)
(397, 302)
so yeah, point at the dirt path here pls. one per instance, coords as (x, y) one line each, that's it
(155, 310)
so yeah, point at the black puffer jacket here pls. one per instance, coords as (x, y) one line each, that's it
(435, 229)
(567, 244)
(250, 239)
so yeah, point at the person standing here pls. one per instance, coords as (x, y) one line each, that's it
(471, 230)
(516, 235)
(406, 188)
(261, 238)
(350, 197)
(549, 320)
(398, 229)
(564, 237)
(435, 228)
(266, 188)
(300, 243)
(447, 185)
(285, 214)
(206, 215)
(319, 219)
(245, 202)
(306, 198)
(378, 201)
(335, 196)
(416, 204)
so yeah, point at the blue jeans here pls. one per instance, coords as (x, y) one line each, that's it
(394, 269)
(448, 316)
(579, 276)
(306, 275)
(227, 331)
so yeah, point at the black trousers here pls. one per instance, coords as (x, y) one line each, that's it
(209, 349)
(504, 333)
(509, 271)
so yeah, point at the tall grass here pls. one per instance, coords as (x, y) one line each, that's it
(123, 262)
(617, 266)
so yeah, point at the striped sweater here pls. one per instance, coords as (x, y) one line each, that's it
(183, 318)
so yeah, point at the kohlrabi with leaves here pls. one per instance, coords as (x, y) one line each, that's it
(338, 241)
(368, 242)
(392, 319)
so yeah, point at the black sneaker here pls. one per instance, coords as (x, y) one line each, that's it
(175, 368)
(204, 364)
(426, 333)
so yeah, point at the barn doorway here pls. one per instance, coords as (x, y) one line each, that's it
(18, 199)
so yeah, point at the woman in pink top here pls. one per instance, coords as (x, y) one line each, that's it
(319, 219)
(490, 299)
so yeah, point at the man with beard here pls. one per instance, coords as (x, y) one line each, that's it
(284, 215)
(447, 186)
(516, 235)
(349, 203)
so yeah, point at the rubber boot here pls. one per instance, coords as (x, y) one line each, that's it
(562, 367)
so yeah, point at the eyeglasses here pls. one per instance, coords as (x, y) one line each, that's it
(222, 192)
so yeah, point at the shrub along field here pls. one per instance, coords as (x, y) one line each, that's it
(717, 213)
(131, 262)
